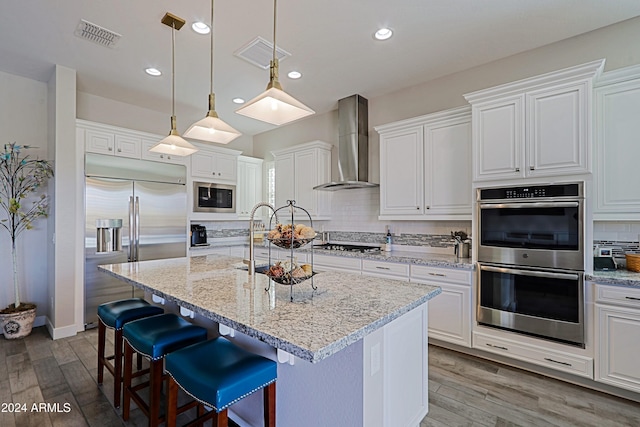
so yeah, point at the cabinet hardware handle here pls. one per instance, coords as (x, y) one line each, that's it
(110, 149)
(437, 274)
(497, 346)
(428, 207)
(219, 174)
(557, 361)
(213, 173)
(517, 169)
(162, 156)
(633, 298)
(119, 150)
(382, 268)
(532, 168)
(418, 207)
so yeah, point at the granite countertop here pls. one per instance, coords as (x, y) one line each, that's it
(405, 257)
(618, 277)
(344, 308)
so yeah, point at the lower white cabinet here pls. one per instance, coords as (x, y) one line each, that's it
(209, 251)
(450, 313)
(618, 336)
(391, 270)
(336, 263)
(536, 354)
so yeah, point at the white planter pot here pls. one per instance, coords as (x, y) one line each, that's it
(17, 325)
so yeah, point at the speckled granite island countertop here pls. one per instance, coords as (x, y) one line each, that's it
(344, 308)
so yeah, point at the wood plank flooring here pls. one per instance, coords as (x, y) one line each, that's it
(463, 391)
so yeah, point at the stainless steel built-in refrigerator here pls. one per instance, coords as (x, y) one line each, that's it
(150, 199)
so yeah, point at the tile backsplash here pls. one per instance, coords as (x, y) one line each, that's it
(621, 236)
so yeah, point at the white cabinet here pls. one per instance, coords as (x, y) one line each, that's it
(617, 109)
(618, 336)
(391, 270)
(297, 170)
(111, 142)
(114, 141)
(336, 263)
(249, 186)
(425, 167)
(215, 164)
(450, 314)
(535, 127)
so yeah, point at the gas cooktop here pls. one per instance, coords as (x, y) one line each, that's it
(347, 248)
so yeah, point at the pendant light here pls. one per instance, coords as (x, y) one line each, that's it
(173, 144)
(211, 128)
(274, 105)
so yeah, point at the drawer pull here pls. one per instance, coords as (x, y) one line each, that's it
(437, 274)
(633, 298)
(497, 346)
(558, 362)
(382, 268)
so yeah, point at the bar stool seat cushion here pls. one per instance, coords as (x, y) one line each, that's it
(159, 335)
(218, 373)
(116, 314)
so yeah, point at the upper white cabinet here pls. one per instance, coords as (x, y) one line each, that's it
(535, 127)
(249, 186)
(215, 164)
(425, 167)
(617, 126)
(300, 168)
(114, 141)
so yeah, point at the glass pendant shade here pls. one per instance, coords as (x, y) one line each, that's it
(212, 128)
(174, 144)
(275, 106)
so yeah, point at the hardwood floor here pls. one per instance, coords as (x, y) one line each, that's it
(463, 391)
(468, 391)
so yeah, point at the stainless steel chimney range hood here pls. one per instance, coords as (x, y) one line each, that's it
(353, 146)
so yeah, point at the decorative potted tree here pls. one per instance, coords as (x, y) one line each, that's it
(21, 176)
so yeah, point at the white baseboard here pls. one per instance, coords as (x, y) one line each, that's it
(57, 333)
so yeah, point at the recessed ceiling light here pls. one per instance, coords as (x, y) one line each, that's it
(200, 28)
(153, 71)
(383, 34)
(294, 74)
(238, 101)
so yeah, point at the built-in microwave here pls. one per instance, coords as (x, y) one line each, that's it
(214, 198)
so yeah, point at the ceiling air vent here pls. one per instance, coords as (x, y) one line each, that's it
(259, 52)
(97, 34)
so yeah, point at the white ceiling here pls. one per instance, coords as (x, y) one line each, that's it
(330, 41)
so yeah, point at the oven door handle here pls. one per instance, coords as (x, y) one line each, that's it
(547, 274)
(529, 205)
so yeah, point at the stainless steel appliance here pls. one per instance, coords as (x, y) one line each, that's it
(149, 202)
(214, 198)
(531, 260)
(198, 235)
(539, 225)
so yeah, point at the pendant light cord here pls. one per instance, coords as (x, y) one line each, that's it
(211, 46)
(173, 69)
(274, 31)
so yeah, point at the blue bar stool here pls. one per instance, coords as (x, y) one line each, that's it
(154, 337)
(218, 374)
(114, 315)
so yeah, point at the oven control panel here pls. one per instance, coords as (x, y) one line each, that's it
(531, 192)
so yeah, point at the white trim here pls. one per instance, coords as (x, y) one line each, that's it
(618, 76)
(57, 333)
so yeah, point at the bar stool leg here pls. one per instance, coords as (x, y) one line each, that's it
(221, 419)
(102, 331)
(156, 369)
(270, 405)
(172, 402)
(128, 367)
(117, 374)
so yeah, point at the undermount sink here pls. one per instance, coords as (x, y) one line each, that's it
(262, 269)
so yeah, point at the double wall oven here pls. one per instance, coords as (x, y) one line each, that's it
(531, 260)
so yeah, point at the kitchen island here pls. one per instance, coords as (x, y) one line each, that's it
(362, 340)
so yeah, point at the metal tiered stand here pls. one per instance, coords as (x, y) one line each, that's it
(293, 275)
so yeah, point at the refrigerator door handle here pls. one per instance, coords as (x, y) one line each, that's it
(137, 232)
(130, 255)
